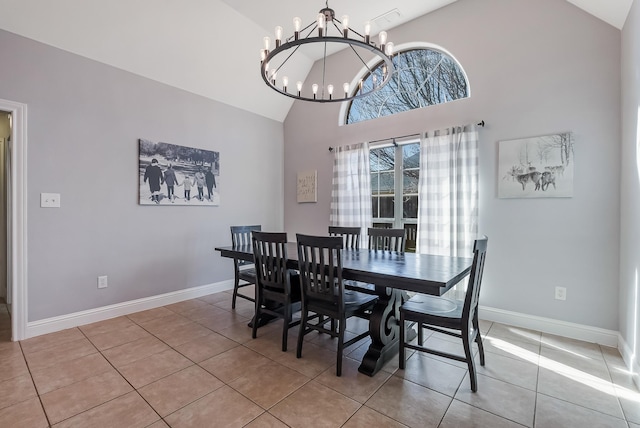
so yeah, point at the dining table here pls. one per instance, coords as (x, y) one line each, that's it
(389, 275)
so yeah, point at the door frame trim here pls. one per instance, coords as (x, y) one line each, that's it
(18, 215)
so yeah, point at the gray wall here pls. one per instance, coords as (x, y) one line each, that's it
(84, 121)
(535, 67)
(630, 189)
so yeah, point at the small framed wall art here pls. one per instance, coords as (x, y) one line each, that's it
(307, 186)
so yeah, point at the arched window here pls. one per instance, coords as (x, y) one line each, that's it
(423, 77)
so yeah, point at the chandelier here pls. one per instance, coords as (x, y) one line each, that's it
(328, 33)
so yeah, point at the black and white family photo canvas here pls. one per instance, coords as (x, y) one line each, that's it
(178, 175)
(537, 167)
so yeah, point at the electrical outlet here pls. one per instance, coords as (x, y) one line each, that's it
(50, 200)
(561, 293)
(102, 282)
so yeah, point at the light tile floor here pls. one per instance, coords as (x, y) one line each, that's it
(194, 364)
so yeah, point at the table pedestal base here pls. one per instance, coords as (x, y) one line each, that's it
(384, 330)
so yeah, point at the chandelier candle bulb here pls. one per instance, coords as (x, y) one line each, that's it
(299, 86)
(330, 90)
(278, 36)
(285, 83)
(382, 38)
(320, 22)
(345, 86)
(367, 32)
(345, 26)
(267, 43)
(389, 49)
(314, 88)
(297, 25)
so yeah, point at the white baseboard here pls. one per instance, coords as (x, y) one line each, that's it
(630, 359)
(545, 325)
(548, 325)
(49, 325)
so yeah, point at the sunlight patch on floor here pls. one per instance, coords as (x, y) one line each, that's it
(566, 371)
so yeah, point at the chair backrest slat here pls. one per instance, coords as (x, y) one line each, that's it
(320, 263)
(351, 236)
(387, 239)
(240, 237)
(270, 258)
(475, 279)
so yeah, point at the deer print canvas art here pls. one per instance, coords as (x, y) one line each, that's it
(537, 167)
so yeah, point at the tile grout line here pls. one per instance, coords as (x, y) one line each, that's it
(114, 398)
(46, 415)
(613, 385)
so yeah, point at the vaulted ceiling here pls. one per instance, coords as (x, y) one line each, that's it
(187, 44)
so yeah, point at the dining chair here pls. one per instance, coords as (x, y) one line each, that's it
(241, 236)
(323, 292)
(277, 289)
(351, 236)
(386, 239)
(457, 318)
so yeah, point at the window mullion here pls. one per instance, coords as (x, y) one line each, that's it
(398, 188)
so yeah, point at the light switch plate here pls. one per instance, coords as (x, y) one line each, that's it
(50, 200)
(102, 282)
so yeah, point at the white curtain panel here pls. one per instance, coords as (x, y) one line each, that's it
(448, 192)
(351, 188)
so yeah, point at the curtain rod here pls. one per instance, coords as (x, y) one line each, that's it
(393, 139)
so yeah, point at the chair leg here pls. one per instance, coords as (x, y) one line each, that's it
(402, 341)
(420, 334)
(256, 320)
(236, 285)
(340, 327)
(480, 349)
(285, 326)
(479, 341)
(471, 364)
(303, 327)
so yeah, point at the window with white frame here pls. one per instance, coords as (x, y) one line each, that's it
(395, 172)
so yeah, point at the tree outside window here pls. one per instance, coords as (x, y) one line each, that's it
(423, 77)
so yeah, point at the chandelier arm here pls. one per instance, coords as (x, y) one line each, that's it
(314, 25)
(361, 60)
(340, 30)
(351, 30)
(287, 58)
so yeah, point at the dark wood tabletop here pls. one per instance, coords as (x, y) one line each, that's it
(421, 273)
